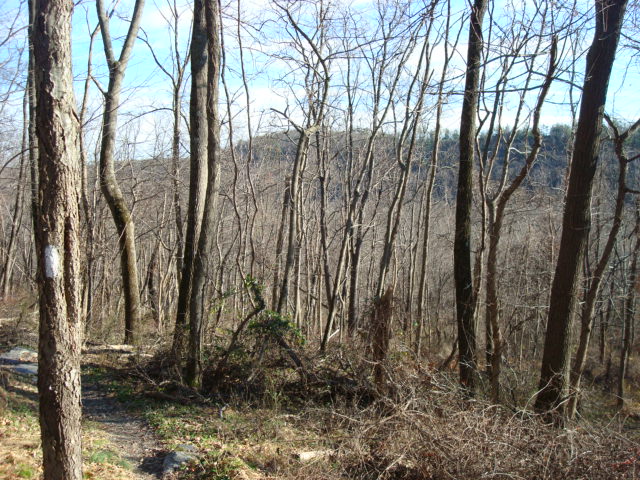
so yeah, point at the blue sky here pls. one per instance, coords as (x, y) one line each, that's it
(147, 89)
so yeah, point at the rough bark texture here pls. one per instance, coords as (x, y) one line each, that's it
(462, 243)
(57, 243)
(577, 216)
(198, 172)
(202, 261)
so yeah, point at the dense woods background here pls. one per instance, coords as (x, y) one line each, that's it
(324, 217)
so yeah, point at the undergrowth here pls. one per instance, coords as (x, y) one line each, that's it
(261, 417)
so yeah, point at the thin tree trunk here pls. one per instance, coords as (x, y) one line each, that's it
(293, 239)
(33, 139)
(405, 161)
(175, 173)
(108, 181)
(89, 212)
(588, 306)
(280, 243)
(496, 211)
(423, 288)
(628, 315)
(16, 217)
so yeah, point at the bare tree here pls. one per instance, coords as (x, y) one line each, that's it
(176, 74)
(628, 315)
(576, 219)
(108, 181)
(593, 283)
(198, 170)
(57, 242)
(423, 287)
(462, 244)
(497, 198)
(316, 92)
(202, 264)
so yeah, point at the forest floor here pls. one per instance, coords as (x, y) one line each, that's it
(264, 420)
(117, 444)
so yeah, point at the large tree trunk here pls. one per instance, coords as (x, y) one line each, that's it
(577, 216)
(57, 243)
(108, 181)
(202, 261)
(198, 172)
(462, 243)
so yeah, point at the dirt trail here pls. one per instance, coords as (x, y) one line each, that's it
(135, 440)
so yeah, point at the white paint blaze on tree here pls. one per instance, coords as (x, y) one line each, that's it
(51, 262)
(57, 234)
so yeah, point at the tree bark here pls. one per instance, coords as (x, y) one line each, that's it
(108, 181)
(462, 243)
(202, 261)
(577, 216)
(58, 242)
(198, 173)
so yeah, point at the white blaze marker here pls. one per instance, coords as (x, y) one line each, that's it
(51, 261)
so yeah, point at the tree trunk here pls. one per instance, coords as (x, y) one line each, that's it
(175, 173)
(202, 261)
(57, 243)
(89, 208)
(108, 181)
(462, 243)
(423, 288)
(16, 217)
(576, 219)
(33, 137)
(197, 174)
(293, 240)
